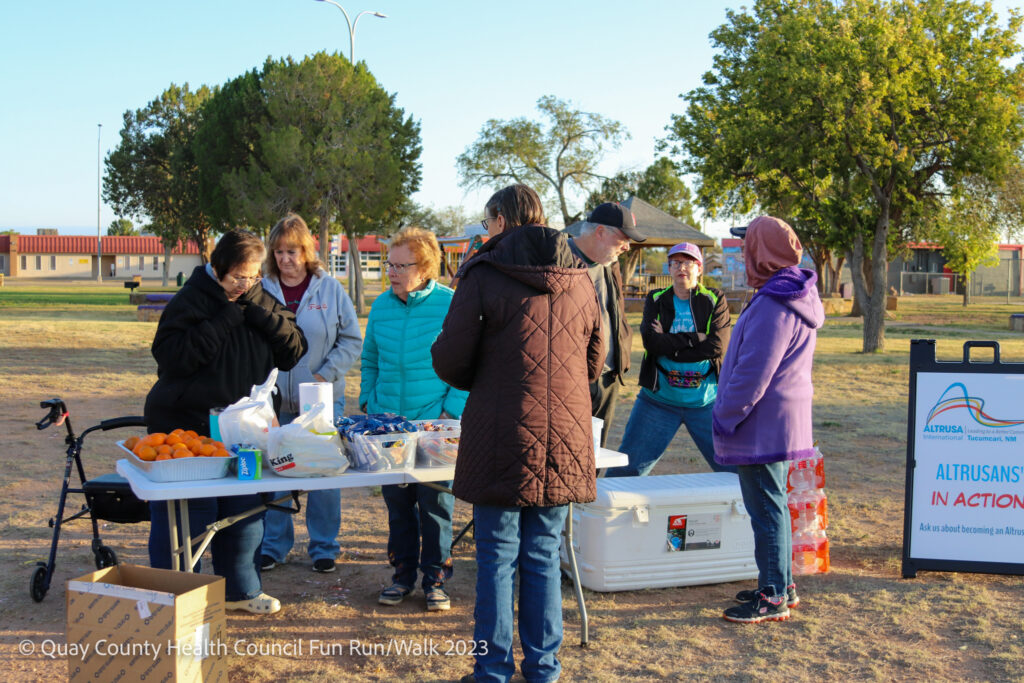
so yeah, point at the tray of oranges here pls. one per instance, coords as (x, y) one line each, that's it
(181, 455)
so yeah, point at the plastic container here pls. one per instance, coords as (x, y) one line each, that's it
(437, 448)
(806, 475)
(810, 553)
(660, 531)
(596, 424)
(808, 511)
(180, 469)
(381, 452)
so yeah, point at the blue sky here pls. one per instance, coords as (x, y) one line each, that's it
(68, 66)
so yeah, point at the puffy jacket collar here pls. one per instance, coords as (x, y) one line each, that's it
(535, 255)
(415, 298)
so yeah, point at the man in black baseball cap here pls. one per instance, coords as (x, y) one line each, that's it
(608, 232)
(740, 232)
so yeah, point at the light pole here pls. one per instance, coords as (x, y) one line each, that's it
(352, 27)
(99, 239)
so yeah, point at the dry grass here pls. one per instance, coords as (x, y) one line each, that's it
(860, 621)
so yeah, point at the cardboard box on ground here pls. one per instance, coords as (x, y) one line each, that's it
(131, 623)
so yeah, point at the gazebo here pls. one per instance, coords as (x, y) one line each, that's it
(662, 230)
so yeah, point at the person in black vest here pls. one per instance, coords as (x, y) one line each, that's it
(605, 235)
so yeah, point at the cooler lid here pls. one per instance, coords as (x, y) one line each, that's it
(665, 489)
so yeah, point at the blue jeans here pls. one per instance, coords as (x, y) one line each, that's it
(650, 430)
(523, 540)
(764, 495)
(432, 522)
(235, 549)
(323, 518)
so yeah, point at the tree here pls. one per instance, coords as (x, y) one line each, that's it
(968, 229)
(122, 227)
(153, 173)
(330, 144)
(448, 220)
(857, 115)
(559, 155)
(659, 185)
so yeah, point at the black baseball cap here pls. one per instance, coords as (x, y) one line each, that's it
(740, 232)
(617, 216)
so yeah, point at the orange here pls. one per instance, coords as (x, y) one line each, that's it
(146, 453)
(130, 442)
(172, 439)
(194, 445)
(207, 449)
(191, 434)
(218, 444)
(163, 456)
(221, 453)
(157, 438)
(206, 439)
(181, 453)
(164, 450)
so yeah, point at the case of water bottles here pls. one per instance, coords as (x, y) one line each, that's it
(662, 531)
(808, 511)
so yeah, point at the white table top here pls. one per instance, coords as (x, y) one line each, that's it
(146, 489)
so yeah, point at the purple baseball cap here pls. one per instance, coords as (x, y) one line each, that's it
(691, 250)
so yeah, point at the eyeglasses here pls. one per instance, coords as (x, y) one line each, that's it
(398, 268)
(247, 281)
(679, 264)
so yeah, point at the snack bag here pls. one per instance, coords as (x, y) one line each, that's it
(247, 420)
(294, 450)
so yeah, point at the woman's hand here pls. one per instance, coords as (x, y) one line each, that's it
(318, 377)
(656, 326)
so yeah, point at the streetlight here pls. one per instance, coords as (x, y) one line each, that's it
(352, 26)
(99, 239)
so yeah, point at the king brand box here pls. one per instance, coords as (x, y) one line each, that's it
(128, 623)
(662, 531)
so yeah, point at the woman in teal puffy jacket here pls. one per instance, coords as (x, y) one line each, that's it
(398, 377)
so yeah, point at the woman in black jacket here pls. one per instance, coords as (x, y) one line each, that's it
(685, 329)
(218, 336)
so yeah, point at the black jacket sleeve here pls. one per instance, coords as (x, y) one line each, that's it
(186, 339)
(686, 347)
(277, 324)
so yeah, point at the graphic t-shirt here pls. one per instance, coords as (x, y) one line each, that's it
(695, 397)
(293, 295)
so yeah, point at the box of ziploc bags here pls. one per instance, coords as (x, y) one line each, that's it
(250, 463)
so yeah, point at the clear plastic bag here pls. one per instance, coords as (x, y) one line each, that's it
(247, 420)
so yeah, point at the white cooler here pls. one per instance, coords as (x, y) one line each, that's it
(662, 531)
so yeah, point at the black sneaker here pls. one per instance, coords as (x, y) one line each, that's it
(324, 565)
(267, 563)
(756, 611)
(792, 599)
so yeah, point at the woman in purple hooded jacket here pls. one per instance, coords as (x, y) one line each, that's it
(762, 416)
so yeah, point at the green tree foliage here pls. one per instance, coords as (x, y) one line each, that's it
(659, 185)
(444, 221)
(122, 227)
(327, 142)
(854, 116)
(968, 229)
(559, 154)
(153, 173)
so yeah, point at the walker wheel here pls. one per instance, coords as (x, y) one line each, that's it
(105, 557)
(38, 587)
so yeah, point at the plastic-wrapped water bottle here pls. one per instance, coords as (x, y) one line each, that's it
(808, 511)
(805, 475)
(810, 552)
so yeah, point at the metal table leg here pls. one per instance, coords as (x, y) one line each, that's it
(571, 552)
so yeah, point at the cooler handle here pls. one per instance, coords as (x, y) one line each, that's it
(738, 508)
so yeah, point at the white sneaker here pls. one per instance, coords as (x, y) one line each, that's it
(261, 604)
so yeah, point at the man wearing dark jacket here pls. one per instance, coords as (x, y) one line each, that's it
(605, 235)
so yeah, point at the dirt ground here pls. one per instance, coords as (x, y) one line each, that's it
(860, 621)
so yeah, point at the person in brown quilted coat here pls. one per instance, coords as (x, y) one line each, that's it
(523, 336)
